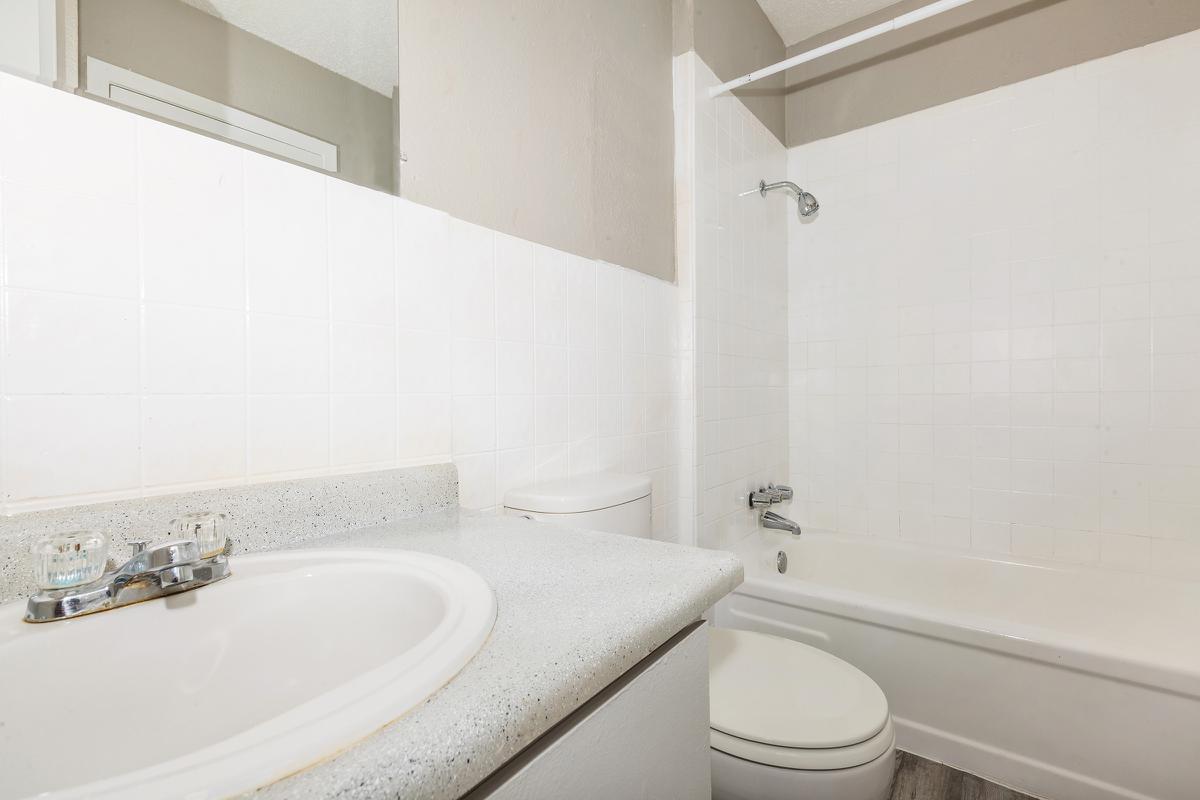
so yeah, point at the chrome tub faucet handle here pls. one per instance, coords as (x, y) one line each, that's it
(762, 498)
(784, 492)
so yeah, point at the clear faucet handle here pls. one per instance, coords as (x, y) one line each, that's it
(206, 527)
(73, 558)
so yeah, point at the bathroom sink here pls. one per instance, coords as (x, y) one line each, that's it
(220, 690)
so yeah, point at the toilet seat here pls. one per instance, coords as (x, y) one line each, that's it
(778, 702)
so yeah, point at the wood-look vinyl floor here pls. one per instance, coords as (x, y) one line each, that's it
(921, 779)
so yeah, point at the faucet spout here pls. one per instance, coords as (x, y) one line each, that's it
(161, 557)
(770, 519)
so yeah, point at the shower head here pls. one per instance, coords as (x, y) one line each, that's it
(806, 204)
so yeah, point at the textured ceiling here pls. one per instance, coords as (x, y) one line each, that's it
(357, 39)
(796, 20)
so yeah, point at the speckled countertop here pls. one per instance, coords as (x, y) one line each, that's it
(576, 609)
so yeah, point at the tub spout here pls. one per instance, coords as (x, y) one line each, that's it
(770, 519)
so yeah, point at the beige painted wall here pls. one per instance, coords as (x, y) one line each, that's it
(734, 37)
(177, 44)
(986, 44)
(547, 119)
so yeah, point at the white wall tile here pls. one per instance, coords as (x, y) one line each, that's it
(581, 303)
(582, 460)
(69, 446)
(191, 350)
(608, 306)
(582, 371)
(190, 440)
(474, 424)
(1126, 552)
(550, 461)
(423, 295)
(514, 422)
(550, 419)
(40, 142)
(514, 368)
(288, 354)
(581, 418)
(474, 367)
(288, 434)
(424, 362)
(69, 344)
(477, 480)
(514, 468)
(362, 429)
(1079, 326)
(424, 427)
(473, 276)
(633, 314)
(550, 296)
(514, 289)
(286, 239)
(551, 370)
(363, 359)
(361, 254)
(192, 224)
(98, 256)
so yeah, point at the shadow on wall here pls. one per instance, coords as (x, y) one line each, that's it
(923, 43)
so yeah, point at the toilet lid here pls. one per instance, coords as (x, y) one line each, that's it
(579, 493)
(778, 692)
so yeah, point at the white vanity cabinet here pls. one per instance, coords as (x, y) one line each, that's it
(644, 737)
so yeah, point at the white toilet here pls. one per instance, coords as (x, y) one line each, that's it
(788, 721)
(791, 722)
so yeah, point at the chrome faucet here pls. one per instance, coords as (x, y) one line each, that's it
(770, 519)
(770, 496)
(73, 581)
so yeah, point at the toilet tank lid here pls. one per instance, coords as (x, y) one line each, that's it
(578, 493)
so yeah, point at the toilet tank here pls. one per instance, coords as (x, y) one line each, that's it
(602, 501)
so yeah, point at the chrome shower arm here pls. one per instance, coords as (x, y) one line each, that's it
(806, 204)
(764, 187)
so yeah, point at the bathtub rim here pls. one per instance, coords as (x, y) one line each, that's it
(1047, 645)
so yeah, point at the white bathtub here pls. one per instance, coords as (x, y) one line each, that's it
(1068, 683)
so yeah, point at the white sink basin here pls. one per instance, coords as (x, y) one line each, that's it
(232, 686)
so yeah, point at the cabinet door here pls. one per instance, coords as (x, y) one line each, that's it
(644, 737)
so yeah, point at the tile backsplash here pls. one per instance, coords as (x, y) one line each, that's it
(179, 313)
(260, 516)
(995, 323)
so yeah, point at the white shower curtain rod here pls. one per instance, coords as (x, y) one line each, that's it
(902, 21)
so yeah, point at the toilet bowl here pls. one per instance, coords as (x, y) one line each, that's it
(791, 722)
